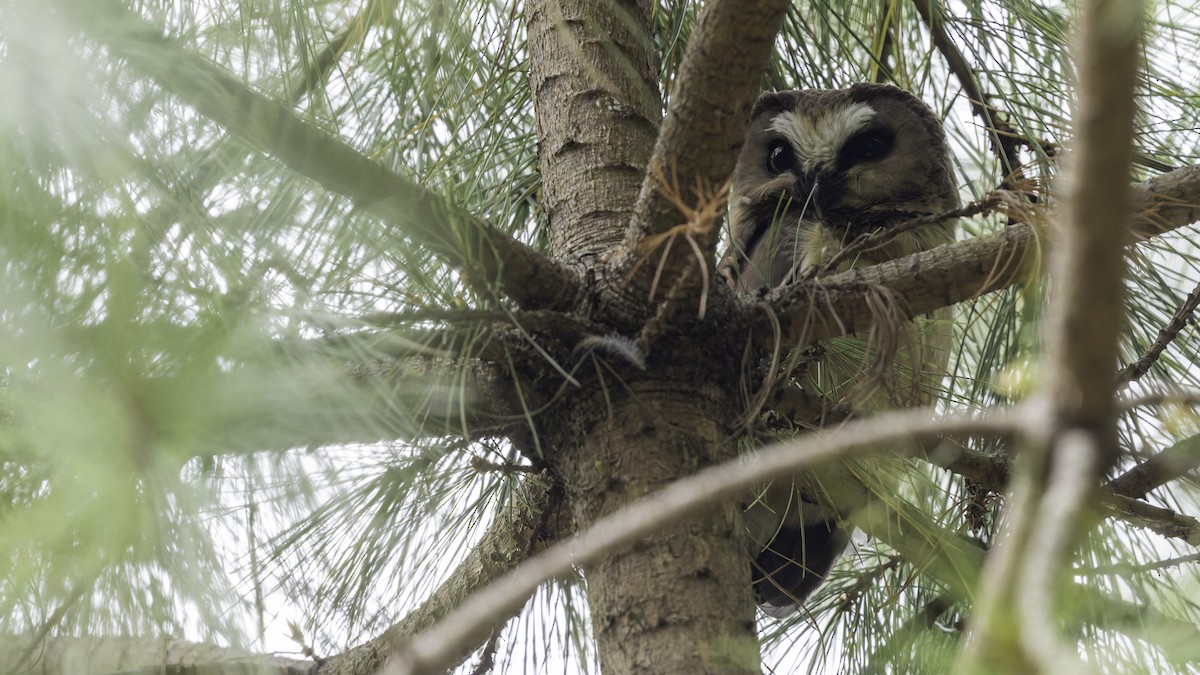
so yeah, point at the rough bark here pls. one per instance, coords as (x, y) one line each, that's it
(686, 586)
(718, 82)
(594, 77)
(593, 70)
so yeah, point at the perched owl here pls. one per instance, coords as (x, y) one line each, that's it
(817, 169)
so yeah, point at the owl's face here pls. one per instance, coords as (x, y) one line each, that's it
(819, 167)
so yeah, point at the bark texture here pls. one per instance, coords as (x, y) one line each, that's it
(718, 82)
(594, 76)
(593, 70)
(688, 586)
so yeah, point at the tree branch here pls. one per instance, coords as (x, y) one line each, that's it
(1004, 139)
(593, 75)
(1072, 442)
(1134, 371)
(837, 305)
(470, 623)
(718, 81)
(681, 204)
(320, 66)
(485, 253)
(1171, 463)
(994, 471)
(145, 656)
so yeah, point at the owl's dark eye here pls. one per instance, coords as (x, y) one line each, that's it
(780, 157)
(869, 146)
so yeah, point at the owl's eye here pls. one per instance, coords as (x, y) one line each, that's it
(869, 146)
(780, 157)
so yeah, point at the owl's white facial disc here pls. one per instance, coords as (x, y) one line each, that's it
(818, 139)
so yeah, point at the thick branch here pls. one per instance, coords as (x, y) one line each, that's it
(718, 81)
(838, 304)
(1173, 462)
(459, 238)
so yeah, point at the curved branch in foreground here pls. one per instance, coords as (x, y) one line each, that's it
(470, 623)
(529, 525)
(839, 304)
(1072, 443)
(462, 240)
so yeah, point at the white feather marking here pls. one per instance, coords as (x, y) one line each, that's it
(819, 245)
(818, 139)
(614, 344)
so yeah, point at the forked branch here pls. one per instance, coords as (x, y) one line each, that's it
(718, 81)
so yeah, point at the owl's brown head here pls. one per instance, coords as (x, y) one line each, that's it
(821, 166)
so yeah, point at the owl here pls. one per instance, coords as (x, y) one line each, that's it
(819, 168)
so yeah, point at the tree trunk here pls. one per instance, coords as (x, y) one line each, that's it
(679, 602)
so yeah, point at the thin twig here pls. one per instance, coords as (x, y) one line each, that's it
(1005, 140)
(923, 620)
(483, 466)
(38, 638)
(872, 240)
(1125, 569)
(1162, 398)
(320, 67)
(534, 521)
(1140, 367)
(487, 660)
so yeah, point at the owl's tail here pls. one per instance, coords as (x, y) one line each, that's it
(794, 564)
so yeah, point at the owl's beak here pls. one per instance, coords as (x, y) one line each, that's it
(812, 191)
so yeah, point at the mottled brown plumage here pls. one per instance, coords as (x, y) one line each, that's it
(819, 168)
